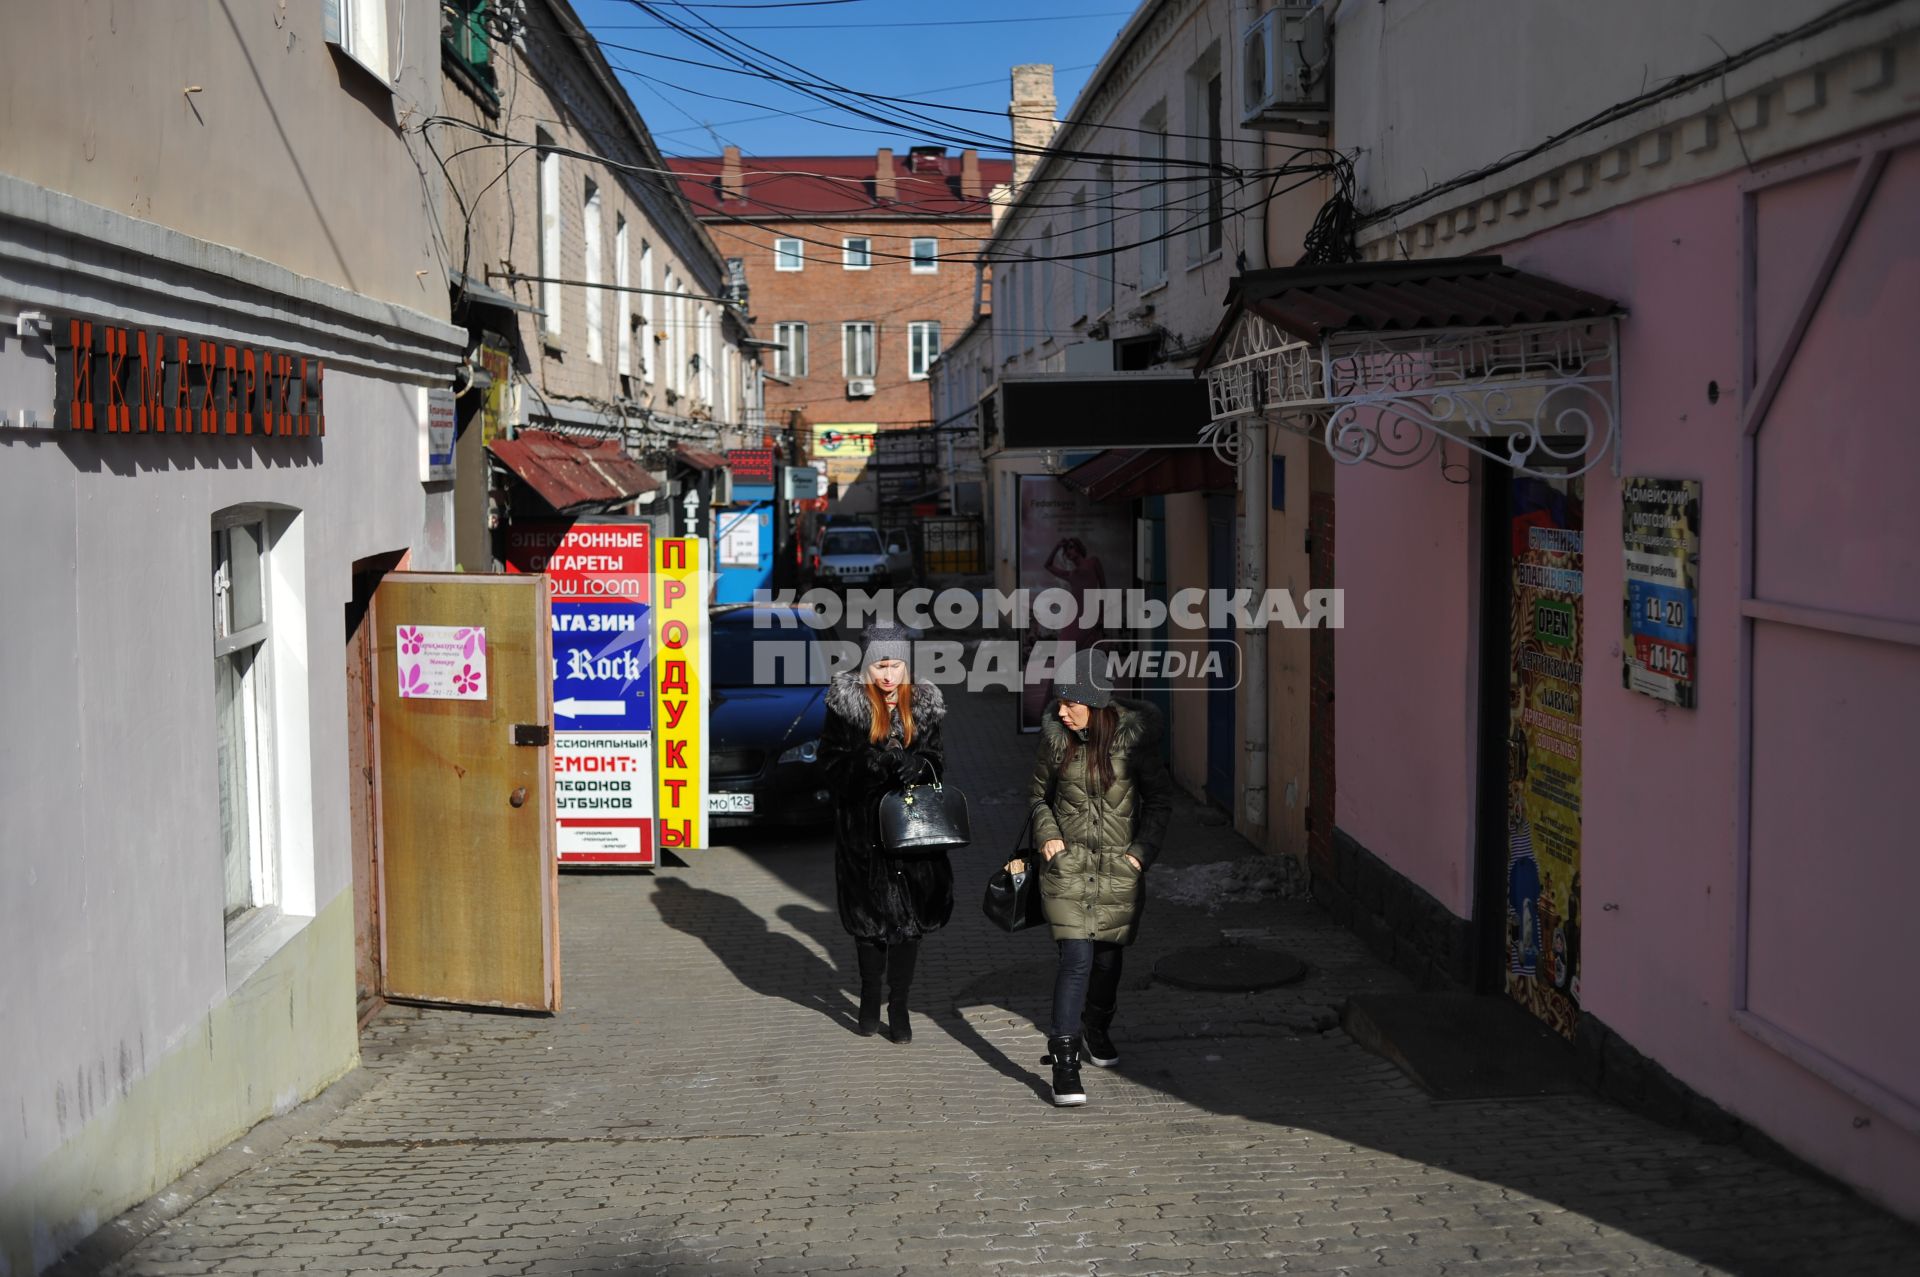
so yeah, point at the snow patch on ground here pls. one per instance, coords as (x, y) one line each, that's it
(1220, 883)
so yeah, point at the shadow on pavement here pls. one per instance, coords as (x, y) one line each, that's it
(761, 959)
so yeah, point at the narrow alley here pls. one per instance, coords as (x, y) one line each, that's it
(702, 1105)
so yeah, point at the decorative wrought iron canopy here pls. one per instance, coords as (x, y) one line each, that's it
(1387, 362)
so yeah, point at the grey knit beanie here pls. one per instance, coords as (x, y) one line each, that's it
(1086, 678)
(886, 642)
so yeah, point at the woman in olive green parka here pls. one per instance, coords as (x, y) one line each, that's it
(1100, 797)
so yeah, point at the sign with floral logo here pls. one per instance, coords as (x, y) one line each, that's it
(442, 662)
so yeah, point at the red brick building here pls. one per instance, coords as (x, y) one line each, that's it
(862, 266)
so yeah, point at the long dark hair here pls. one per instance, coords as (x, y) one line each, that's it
(879, 725)
(1102, 723)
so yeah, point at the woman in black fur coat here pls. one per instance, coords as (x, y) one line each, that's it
(882, 733)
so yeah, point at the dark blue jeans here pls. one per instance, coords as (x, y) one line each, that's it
(1089, 972)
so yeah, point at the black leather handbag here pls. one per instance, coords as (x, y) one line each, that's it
(1013, 900)
(923, 820)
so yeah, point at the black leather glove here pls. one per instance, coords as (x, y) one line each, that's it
(909, 768)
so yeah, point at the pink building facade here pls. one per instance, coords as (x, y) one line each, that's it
(1709, 898)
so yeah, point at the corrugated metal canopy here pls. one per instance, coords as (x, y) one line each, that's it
(698, 458)
(573, 474)
(1314, 302)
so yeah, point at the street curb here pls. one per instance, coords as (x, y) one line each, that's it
(114, 1239)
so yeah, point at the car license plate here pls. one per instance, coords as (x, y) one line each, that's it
(730, 803)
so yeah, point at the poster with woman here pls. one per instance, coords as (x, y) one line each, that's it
(1067, 542)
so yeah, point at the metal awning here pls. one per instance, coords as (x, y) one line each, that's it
(572, 474)
(1388, 361)
(485, 294)
(1122, 474)
(698, 458)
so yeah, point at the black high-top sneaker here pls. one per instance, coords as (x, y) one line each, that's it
(1064, 1055)
(1096, 1045)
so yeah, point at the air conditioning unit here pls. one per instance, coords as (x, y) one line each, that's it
(861, 388)
(721, 493)
(1285, 69)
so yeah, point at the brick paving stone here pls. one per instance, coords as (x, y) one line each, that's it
(702, 1105)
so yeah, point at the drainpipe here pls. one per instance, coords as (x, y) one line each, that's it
(1255, 470)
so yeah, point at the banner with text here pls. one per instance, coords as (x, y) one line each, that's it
(601, 582)
(680, 638)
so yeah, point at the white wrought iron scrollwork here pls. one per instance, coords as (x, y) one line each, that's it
(1224, 438)
(1539, 398)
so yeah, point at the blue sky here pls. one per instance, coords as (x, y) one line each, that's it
(876, 46)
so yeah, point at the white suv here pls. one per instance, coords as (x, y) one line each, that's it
(849, 556)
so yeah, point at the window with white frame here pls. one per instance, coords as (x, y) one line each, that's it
(856, 252)
(550, 295)
(622, 300)
(926, 256)
(923, 344)
(706, 357)
(647, 325)
(1103, 241)
(790, 363)
(1048, 269)
(361, 29)
(857, 349)
(1206, 202)
(590, 273)
(1029, 301)
(243, 712)
(667, 339)
(789, 254)
(1078, 265)
(1153, 198)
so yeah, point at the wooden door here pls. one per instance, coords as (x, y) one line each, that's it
(469, 901)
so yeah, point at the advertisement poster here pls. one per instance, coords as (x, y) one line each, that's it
(601, 583)
(1067, 541)
(497, 364)
(844, 450)
(1660, 523)
(680, 637)
(603, 794)
(442, 662)
(1543, 743)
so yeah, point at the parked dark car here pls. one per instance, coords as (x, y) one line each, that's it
(763, 761)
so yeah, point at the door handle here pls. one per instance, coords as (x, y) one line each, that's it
(518, 798)
(532, 734)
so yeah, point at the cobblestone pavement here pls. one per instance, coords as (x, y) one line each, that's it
(702, 1105)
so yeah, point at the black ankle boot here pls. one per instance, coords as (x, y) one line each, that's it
(901, 959)
(1064, 1054)
(1098, 1047)
(873, 966)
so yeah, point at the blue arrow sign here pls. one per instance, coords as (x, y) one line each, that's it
(602, 667)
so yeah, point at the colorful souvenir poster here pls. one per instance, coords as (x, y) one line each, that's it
(1543, 741)
(1660, 524)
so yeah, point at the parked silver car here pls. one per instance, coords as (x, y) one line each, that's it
(847, 557)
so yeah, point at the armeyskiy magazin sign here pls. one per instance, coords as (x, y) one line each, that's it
(680, 636)
(1660, 525)
(601, 585)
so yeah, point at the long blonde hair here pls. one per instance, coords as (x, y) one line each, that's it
(879, 721)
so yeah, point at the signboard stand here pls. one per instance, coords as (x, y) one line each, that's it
(601, 578)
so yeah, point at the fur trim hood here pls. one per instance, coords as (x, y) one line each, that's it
(1140, 723)
(847, 697)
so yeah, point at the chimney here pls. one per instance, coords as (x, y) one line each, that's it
(1031, 111)
(730, 183)
(884, 190)
(970, 188)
